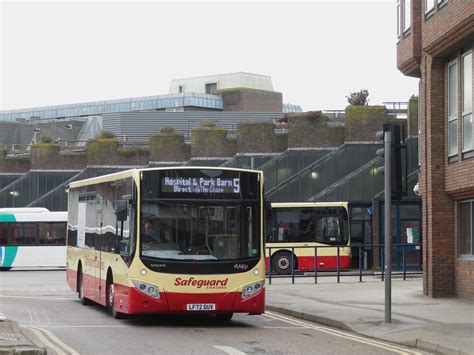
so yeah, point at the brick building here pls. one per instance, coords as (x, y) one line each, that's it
(435, 44)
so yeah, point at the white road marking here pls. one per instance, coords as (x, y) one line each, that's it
(2, 317)
(84, 326)
(38, 297)
(270, 327)
(52, 341)
(229, 350)
(343, 334)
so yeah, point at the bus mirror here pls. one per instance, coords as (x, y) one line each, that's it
(121, 210)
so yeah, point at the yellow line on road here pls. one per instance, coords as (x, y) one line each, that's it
(343, 334)
(52, 341)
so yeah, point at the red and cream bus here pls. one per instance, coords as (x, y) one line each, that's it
(205, 253)
(305, 226)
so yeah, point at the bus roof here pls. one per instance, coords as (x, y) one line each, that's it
(33, 214)
(135, 172)
(24, 210)
(309, 204)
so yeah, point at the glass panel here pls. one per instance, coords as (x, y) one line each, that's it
(467, 132)
(410, 211)
(452, 85)
(398, 18)
(467, 83)
(453, 142)
(3, 234)
(24, 233)
(406, 15)
(465, 223)
(429, 5)
(199, 232)
(360, 213)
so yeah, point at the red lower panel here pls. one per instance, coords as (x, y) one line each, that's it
(323, 263)
(129, 300)
(71, 279)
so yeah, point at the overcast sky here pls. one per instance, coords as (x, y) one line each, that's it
(316, 52)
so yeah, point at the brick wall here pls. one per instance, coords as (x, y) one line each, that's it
(447, 25)
(443, 33)
(362, 122)
(251, 100)
(409, 45)
(257, 137)
(312, 129)
(209, 142)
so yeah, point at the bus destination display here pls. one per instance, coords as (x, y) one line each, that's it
(200, 185)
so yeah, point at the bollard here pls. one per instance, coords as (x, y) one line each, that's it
(270, 266)
(292, 265)
(315, 265)
(404, 263)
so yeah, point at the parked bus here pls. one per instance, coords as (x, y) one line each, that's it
(308, 225)
(32, 237)
(168, 240)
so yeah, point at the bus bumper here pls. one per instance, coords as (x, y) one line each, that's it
(131, 301)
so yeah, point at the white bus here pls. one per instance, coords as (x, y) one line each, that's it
(32, 237)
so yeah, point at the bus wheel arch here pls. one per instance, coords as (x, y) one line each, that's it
(281, 262)
(80, 285)
(110, 296)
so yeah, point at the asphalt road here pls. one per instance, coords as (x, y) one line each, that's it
(41, 302)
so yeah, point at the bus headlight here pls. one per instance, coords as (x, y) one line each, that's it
(252, 289)
(147, 289)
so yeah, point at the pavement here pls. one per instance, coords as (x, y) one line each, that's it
(16, 340)
(437, 325)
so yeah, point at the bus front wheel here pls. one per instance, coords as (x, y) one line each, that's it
(282, 263)
(111, 301)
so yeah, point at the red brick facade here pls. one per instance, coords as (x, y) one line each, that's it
(435, 39)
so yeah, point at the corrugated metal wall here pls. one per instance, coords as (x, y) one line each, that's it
(141, 125)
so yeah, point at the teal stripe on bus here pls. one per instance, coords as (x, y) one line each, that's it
(7, 217)
(8, 257)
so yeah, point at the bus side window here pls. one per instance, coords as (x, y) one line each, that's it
(3, 233)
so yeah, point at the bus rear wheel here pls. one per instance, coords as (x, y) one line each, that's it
(281, 263)
(224, 317)
(111, 301)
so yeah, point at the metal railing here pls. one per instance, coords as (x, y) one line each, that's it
(399, 253)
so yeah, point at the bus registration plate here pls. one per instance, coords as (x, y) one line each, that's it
(201, 307)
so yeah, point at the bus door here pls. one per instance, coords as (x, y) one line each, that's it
(98, 256)
(306, 238)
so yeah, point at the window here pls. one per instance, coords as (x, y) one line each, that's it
(452, 109)
(23, 233)
(398, 18)
(466, 219)
(429, 6)
(466, 86)
(52, 233)
(180, 89)
(406, 15)
(210, 88)
(3, 234)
